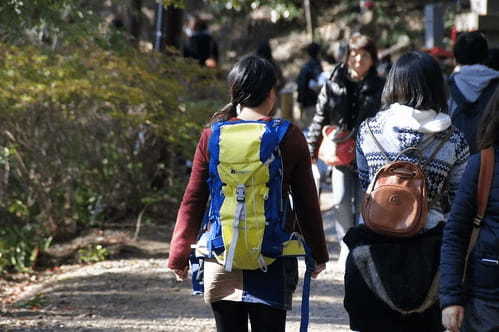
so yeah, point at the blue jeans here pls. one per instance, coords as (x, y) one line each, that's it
(345, 198)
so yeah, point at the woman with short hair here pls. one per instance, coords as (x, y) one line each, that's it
(398, 292)
(349, 96)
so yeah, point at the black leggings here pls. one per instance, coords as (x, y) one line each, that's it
(232, 316)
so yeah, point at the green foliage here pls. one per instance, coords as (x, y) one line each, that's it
(19, 247)
(48, 21)
(177, 3)
(91, 129)
(92, 254)
(89, 133)
(281, 9)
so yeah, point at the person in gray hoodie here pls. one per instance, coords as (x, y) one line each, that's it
(471, 85)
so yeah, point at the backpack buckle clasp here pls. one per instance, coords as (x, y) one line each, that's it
(240, 193)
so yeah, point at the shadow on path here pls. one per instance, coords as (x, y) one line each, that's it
(135, 292)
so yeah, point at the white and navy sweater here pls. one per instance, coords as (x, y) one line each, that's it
(400, 127)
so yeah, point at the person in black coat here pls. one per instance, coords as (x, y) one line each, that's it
(265, 51)
(348, 97)
(308, 82)
(473, 306)
(201, 45)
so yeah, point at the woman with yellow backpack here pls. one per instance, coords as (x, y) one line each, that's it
(252, 194)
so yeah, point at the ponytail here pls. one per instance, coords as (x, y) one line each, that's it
(227, 112)
(250, 82)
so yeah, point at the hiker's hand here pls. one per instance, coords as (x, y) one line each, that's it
(318, 269)
(452, 317)
(181, 275)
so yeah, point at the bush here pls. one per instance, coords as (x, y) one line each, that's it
(92, 254)
(19, 248)
(88, 134)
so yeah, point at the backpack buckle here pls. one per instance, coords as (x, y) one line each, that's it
(240, 193)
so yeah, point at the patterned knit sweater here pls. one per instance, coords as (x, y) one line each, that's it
(400, 127)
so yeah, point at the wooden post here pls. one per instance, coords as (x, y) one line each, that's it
(308, 17)
(136, 20)
(158, 29)
(173, 26)
(434, 25)
(287, 105)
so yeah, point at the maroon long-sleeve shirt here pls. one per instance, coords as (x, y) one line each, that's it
(297, 176)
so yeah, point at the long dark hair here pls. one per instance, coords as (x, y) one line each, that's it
(416, 80)
(488, 132)
(250, 82)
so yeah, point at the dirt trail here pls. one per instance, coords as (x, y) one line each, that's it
(139, 294)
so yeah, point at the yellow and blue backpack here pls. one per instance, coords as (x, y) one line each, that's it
(248, 207)
(244, 227)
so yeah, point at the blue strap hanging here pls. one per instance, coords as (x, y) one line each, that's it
(305, 305)
(197, 268)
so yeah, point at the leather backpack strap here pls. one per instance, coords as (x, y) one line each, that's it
(439, 146)
(487, 163)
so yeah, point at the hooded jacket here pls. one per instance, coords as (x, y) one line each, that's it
(470, 89)
(482, 279)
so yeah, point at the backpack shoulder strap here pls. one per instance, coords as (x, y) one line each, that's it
(487, 164)
(275, 131)
(213, 148)
(456, 94)
(282, 127)
(439, 146)
(486, 95)
(491, 87)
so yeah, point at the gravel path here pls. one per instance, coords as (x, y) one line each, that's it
(139, 294)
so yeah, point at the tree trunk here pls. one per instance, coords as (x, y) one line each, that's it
(173, 26)
(308, 17)
(136, 20)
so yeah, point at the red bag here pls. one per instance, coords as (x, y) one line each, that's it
(337, 147)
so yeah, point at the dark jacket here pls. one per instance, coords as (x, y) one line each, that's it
(372, 259)
(344, 102)
(310, 71)
(469, 92)
(201, 46)
(483, 272)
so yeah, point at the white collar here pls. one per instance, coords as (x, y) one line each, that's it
(426, 122)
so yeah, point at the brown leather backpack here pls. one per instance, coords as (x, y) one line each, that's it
(396, 201)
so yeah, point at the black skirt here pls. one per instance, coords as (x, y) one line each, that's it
(400, 295)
